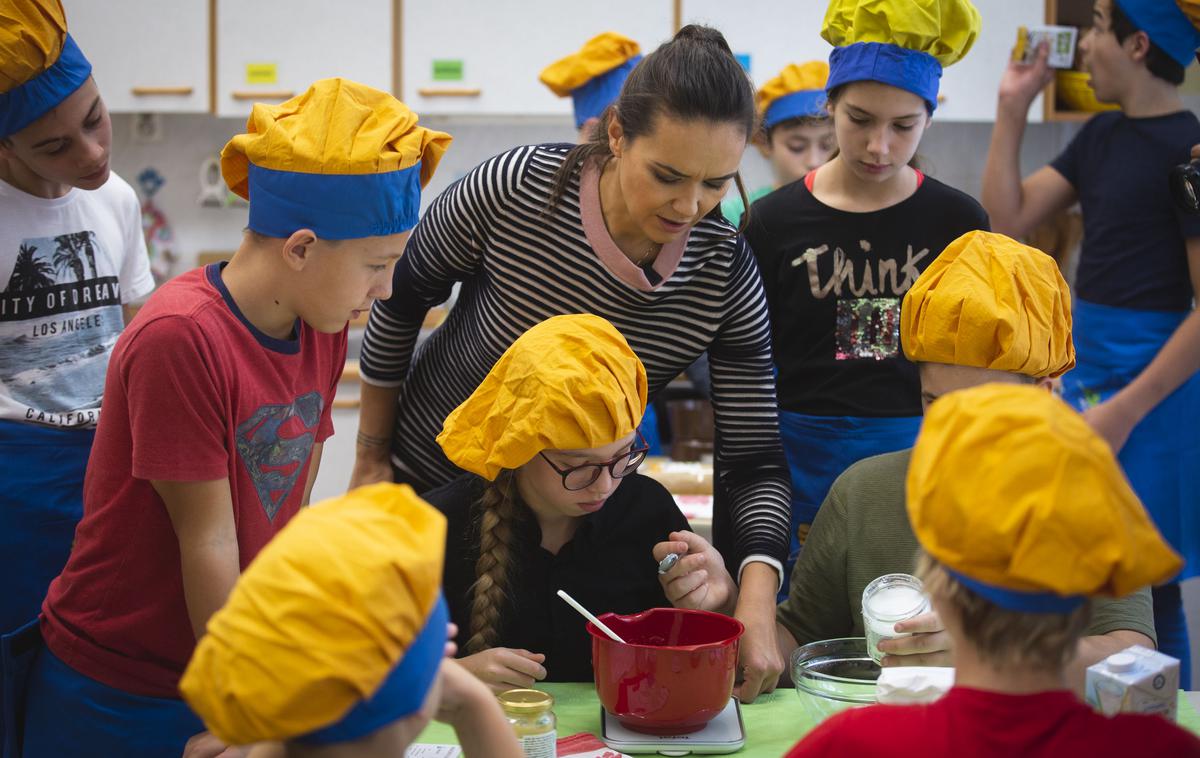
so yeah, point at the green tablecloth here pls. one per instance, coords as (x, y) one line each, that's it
(773, 722)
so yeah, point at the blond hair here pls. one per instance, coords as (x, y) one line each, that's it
(498, 514)
(1001, 637)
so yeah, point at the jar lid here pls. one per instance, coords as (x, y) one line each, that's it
(525, 701)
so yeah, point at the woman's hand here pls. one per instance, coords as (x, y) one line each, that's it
(1021, 82)
(929, 645)
(505, 668)
(699, 579)
(371, 466)
(758, 654)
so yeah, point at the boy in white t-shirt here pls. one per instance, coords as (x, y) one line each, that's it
(72, 257)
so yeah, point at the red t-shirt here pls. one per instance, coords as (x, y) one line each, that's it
(193, 393)
(980, 724)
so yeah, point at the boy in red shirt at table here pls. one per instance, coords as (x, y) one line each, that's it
(1022, 514)
(217, 402)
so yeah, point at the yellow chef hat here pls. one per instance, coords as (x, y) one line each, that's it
(593, 76)
(904, 43)
(569, 383)
(40, 64)
(336, 629)
(990, 302)
(1022, 502)
(1191, 10)
(797, 91)
(343, 159)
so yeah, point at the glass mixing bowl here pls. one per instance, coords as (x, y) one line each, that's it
(832, 675)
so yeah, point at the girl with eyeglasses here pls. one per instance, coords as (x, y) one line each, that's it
(553, 501)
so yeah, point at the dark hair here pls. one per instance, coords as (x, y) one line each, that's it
(694, 77)
(1160, 64)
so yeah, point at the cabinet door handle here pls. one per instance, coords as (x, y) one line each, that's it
(148, 91)
(449, 92)
(276, 94)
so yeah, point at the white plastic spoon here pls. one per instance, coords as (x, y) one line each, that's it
(587, 615)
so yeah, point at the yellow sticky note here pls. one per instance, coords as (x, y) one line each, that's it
(262, 73)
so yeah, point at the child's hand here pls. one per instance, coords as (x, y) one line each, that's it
(504, 668)
(1022, 82)
(465, 703)
(699, 579)
(929, 645)
(205, 745)
(461, 692)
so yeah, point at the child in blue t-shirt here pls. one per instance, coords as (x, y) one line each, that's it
(1139, 269)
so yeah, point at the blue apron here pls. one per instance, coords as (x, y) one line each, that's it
(820, 448)
(51, 710)
(41, 501)
(1162, 457)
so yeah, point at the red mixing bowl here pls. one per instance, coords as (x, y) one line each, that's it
(673, 674)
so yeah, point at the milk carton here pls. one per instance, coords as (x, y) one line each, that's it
(1135, 680)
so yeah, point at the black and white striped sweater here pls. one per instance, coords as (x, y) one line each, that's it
(519, 266)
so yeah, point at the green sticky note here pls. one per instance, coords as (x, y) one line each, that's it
(262, 73)
(448, 70)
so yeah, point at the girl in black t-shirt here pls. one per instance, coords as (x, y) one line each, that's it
(552, 501)
(839, 249)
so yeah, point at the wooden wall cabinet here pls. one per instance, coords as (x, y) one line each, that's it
(463, 57)
(147, 55)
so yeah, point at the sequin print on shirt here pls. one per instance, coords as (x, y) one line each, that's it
(868, 295)
(275, 451)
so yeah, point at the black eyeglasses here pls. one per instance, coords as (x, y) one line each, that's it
(581, 477)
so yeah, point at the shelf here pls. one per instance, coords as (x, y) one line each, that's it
(1077, 13)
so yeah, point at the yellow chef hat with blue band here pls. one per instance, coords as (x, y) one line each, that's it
(990, 302)
(1166, 24)
(594, 75)
(40, 64)
(904, 43)
(569, 383)
(796, 92)
(343, 159)
(336, 629)
(1021, 501)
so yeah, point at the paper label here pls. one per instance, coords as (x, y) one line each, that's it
(1061, 40)
(448, 70)
(540, 745)
(262, 73)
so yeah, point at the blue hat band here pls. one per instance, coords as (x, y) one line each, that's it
(1166, 26)
(1016, 600)
(910, 70)
(334, 206)
(24, 104)
(593, 97)
(403, 690)
(808, 103)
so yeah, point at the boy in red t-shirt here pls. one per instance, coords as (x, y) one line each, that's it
(217, 401)
(1022, 513)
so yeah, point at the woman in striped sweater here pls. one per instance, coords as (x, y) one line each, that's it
(625, 227)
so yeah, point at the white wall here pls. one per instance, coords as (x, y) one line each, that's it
(952, 152)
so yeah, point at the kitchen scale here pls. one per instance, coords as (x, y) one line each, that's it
(724, 734)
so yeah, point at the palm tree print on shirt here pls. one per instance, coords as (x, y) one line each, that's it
(30, 272)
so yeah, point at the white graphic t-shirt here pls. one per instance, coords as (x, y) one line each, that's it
(66, 267)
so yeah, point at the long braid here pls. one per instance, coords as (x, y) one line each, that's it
(499, 511)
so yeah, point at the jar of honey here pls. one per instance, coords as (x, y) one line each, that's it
(531, 713)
